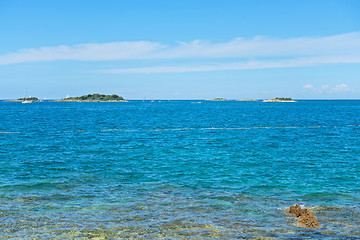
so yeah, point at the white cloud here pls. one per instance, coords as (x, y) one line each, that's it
(268, 47)
(309, 86)
(341, 88)
(294, 52)
(324, 88)
(300, 62)
(84, 52)
(327, 89)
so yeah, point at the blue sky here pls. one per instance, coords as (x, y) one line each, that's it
(180, 49)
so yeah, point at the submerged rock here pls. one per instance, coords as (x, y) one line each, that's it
(306, 218)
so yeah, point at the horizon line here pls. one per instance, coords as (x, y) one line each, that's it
(197, 99)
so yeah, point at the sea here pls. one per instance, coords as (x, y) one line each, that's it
(179, 169)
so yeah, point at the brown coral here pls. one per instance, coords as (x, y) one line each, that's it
(306, 218)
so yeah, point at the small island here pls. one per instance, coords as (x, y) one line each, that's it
(26, 99)
(217, 99)
(95, 98)
(287, 99)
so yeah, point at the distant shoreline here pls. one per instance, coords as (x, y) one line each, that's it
(147, 100)
(72, 100)
(279, 100)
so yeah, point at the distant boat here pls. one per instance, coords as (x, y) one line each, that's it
(26, 101)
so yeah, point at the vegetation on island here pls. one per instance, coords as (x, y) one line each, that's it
(217, 99)
(284, 99)
(96, 97)
(28, 99)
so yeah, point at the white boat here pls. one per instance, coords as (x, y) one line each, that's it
(26, 101)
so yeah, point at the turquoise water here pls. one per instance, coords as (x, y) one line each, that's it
(178, 169)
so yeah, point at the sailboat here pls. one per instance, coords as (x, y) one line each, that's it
(26, 101)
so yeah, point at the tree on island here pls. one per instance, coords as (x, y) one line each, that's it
(28, 99)
(284, 99)
(98, 97)
(219, 99)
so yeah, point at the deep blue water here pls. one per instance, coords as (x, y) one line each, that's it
(158, 170)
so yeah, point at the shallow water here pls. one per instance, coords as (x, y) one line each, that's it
(178, 169)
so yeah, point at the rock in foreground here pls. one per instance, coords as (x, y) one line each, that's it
(306, 218)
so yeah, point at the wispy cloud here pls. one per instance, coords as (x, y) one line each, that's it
(85, 52)
(299, 62)
(341, 88)
(309, 86)
(245, 53)
(327, 89)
